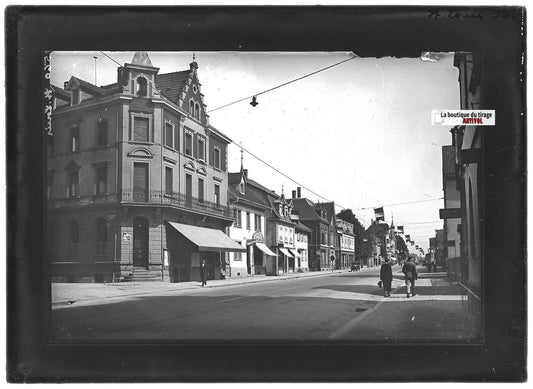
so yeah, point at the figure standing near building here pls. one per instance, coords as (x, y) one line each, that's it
(409, 271)
(385, 275)
(332, 258)
(203, 273)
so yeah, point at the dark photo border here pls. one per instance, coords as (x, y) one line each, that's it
(496, 32)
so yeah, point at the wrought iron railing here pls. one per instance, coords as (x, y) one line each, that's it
(75, 201)
(175, 200)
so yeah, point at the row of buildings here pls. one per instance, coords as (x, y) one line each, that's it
(459, 242)
(138, 188)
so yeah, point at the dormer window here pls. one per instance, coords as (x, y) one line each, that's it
(75, 96)
(241, 187)
(142, 87)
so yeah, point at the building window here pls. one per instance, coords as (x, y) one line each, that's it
(197, 111)
(74, 139)
(280, 234)
(257, 222)
(290, 235)
(101, 181)
(73, 185)
(188, 143)
(286, 237)
(237, 256)
(191, 107)
(201, 190)
(73, 237)
(141, 129)
(101, 236)
(201, 148)
(238, 218)
(101, 134)
(169, 186)
(169, 135)
(142, 86)
(217, 195)
(188, 189)
(216, 156)
(248, 220)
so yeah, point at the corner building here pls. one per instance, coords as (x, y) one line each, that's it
(137, 179)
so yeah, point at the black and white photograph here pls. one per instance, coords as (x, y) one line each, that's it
(367, 196)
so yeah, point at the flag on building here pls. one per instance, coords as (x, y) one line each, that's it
(408, 238)
(400, 229)
(380, 214)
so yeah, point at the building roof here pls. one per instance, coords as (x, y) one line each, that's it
(377, 229)
(60, 92)
(306, 209)
(448, 160)
(89, 86)
(171, 84)
(299, 226)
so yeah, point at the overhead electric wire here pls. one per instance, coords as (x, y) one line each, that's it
(407, 202)
(284, 84)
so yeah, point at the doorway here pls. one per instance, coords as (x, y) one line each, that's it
(140, 242)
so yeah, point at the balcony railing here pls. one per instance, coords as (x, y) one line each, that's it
(175, 200)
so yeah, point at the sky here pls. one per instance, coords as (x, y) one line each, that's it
(359, 133)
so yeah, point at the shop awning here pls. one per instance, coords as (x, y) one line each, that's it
(286, 252)
(296, 253)
(207, 239)
(265, 249)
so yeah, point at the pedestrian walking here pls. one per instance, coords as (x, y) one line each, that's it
(332, 258)
(385, 275)
(203, 272)
(409, 271)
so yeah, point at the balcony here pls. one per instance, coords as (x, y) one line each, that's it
(177, 200)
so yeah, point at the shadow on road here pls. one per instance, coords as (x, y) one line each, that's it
(366, 289)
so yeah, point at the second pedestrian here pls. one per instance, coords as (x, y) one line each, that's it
(203, 273)
(409, 271)
(385, 275)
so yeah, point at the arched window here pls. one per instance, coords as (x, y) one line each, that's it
(142, 86)
(191, 107)
(73, 237)
(101, 236)
(197, 111)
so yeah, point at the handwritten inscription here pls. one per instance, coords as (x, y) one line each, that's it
(473, 15)
(48, 98)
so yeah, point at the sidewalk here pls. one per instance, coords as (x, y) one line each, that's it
(438, 313)
(69, 293)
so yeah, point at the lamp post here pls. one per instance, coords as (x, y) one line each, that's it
(365, 241)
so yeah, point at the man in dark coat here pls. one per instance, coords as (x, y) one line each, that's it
(385, 275)
(409, 271)
(203, 272)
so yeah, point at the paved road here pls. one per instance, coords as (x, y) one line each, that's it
(336, 306)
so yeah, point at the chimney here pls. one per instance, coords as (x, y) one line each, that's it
(65, 85)
(293, 194)
(120, 75)
(298, 192)
(245, 172)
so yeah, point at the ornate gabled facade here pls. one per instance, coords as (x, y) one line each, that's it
(128, 164)
(250, 207)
